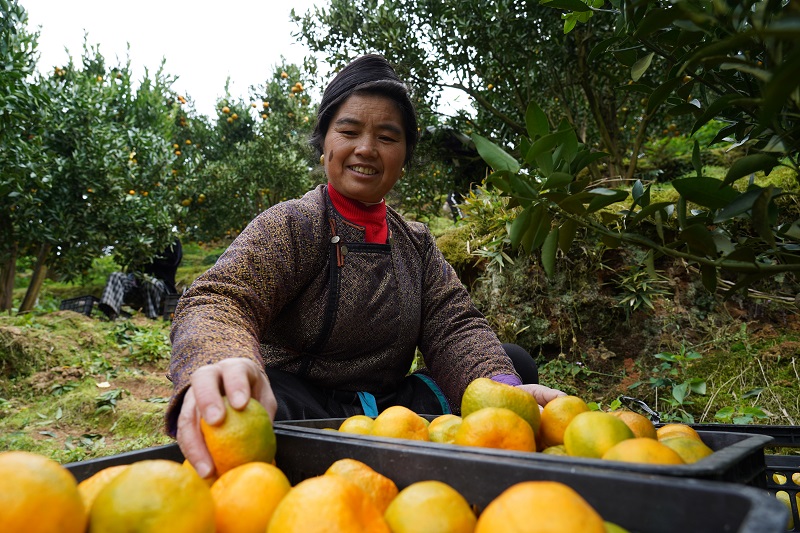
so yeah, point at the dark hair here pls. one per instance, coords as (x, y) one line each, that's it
(368, 74)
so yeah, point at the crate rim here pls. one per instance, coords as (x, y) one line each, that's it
(708, 468)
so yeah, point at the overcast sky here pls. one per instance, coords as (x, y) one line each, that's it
(203, 42)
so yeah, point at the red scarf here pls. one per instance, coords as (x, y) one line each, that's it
(372, 217)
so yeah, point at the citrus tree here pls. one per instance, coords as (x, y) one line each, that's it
(497, 56)
(255, 155)
(21, 123)
(736, 63)
(105, 178)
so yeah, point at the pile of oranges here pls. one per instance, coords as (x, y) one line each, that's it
(495, 415)
(249, 492)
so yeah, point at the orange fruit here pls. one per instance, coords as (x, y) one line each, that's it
(555, 418)
(38, 495)
(691, 450)
(784, 497)
(643, 450)
(357, 424)
(483, 392)
(558, 449)
(593, 433)
(246, 496)
(400, 423)
(443, 428)
(639, 424)
(380, 488)
(430, 506)
(209, 480)
(677, 429)
(243, 436)
(496, 427)
(153, 496)
(540, 506)
(325, 504)
(90, 486)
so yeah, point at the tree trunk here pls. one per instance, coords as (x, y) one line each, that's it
(7, 273)
(37, 278)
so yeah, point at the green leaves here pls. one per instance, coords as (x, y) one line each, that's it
(495, 157)
(750, 164)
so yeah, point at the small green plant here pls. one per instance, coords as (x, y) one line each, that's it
(59, 389)
(108, 401)
(742, 414)
(639, 288)
(670, 375)
(145, 345)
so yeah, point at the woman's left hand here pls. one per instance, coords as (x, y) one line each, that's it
(541, 393)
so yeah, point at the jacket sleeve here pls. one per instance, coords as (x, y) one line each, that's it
(226, 310)
(457, 343)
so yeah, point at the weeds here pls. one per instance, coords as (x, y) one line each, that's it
(108, 401)
(672, 387)
(145, 345)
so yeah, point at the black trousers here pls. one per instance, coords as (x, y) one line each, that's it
(299, 400)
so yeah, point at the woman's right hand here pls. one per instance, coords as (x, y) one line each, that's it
(237, 378)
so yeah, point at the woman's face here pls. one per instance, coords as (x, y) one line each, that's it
(365, 147)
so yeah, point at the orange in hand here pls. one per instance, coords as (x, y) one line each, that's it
(242, 437)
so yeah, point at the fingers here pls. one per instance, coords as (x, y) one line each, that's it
(238, 379)
(235, 378)
(542, 394)
(190, 438)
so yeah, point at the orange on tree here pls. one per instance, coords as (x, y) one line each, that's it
(400, 423)
(431, 506)
(443, 428)
(357, 424)
(326, 504)
(541, 507)
(593, 433)
(483, 392)
(690, 449)
(556, 416)
(246, 496)
(89, 487)
(639, 424)
(242, 436)
(38, 495)
(643, 450)
(152, 496)
(380, 488)
(496, 427)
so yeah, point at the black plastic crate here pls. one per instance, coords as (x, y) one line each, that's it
(81, 304)
(782, 472)
(737, 458)
(639, 503)
(170, 303)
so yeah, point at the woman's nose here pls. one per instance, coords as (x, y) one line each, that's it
(366, 148)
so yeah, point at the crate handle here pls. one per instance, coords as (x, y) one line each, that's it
(654, 416)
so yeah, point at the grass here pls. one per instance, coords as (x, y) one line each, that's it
(74, 387)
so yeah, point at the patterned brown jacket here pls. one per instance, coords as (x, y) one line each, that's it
(299, 290)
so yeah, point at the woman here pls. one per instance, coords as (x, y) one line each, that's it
(317, 308)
